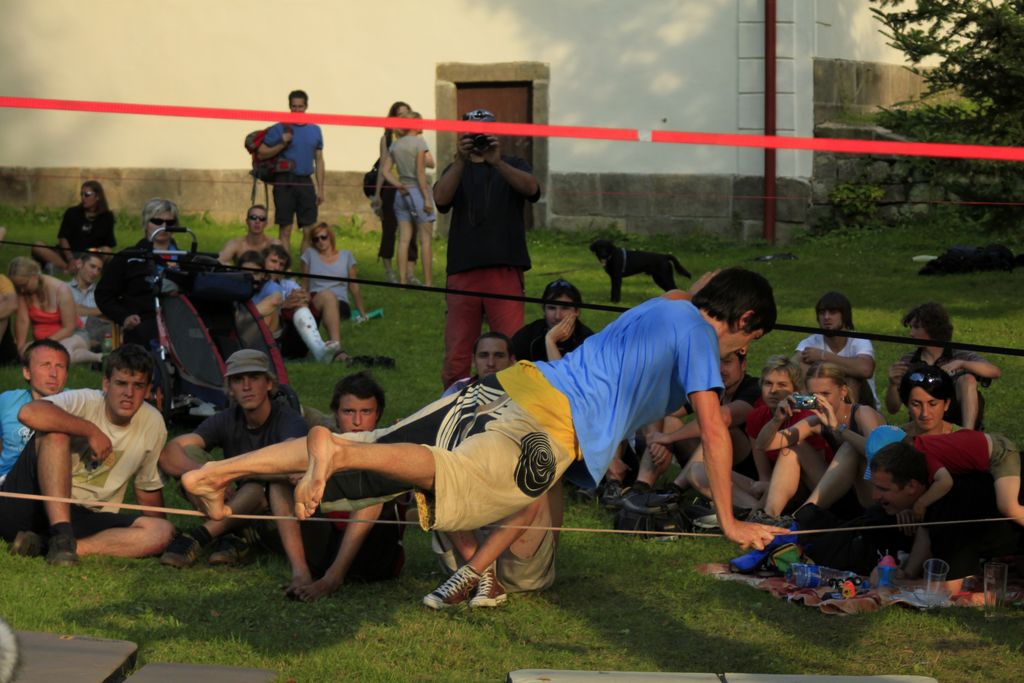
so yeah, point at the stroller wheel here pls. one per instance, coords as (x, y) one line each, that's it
(162, 392)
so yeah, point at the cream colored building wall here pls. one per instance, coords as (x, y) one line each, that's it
(645, 64)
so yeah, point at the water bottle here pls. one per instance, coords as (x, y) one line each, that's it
(108, 343)
(813, 575)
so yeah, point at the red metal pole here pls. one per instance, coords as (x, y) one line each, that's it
(769, 119)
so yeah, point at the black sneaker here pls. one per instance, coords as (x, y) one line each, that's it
(611, 496)
(230, 550)
(62, 552)
(181, 552)
(27, 544)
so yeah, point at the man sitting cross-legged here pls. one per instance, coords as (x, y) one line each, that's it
(88, 446)
(254, 420)
(547, 417)
(337, 552)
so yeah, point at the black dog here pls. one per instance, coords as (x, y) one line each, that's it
(620, 263)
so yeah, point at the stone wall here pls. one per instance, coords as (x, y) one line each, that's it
(728, 206)
(906, 192)
(223, 195)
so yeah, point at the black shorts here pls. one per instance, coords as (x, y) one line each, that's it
(18, 514)
(294, 198)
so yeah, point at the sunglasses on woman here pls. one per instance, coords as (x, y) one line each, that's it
(88, 193)
(163, 221)
(322, 237)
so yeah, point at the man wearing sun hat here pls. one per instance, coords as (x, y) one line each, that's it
(254, 420)
(486, 192)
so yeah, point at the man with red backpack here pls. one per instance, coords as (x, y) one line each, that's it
(301, 144)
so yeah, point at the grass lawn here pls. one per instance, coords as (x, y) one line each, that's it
(618, 604)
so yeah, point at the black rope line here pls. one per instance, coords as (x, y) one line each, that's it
(187, 266)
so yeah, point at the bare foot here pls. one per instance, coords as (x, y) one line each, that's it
(299, 581)
(320, 588)
(310, 488)
(207, 491)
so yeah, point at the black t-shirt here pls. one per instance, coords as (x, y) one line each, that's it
(528, 342)
(748, 391)
(84, 233)
(487, 227)
(227, 430)
(963, 546)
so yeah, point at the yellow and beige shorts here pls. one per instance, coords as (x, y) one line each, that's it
(493, 474)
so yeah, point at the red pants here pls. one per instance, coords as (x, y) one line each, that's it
(466, 315)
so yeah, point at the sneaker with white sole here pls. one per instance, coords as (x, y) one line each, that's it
(457, 589)
(489, 592)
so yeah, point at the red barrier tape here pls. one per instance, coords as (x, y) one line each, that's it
(924, 149)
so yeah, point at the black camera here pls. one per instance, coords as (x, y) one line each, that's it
(805, 401)
(480, 142)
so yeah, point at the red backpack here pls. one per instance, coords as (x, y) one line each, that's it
(264, 169)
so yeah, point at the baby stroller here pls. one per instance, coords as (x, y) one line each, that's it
(204, 313)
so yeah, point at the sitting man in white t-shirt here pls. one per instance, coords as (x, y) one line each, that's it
(89, 445)
(855, 356)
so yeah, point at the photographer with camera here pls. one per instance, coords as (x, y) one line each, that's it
(486, 192)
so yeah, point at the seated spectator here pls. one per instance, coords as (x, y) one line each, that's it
(254, 420)
(45, 369)
(491, 354)
(46, 309)
(740, 396)
(900, 476)
(835, 419)
(559, 331)
(87, 226)
(125, 291)
(525, 563)
(855, 356)
(329, 297)
(964, 452)
(926, 392)
(930, 322)
(8, 309)
(255, 239)
(324, 556)
(83, 291)
(89, 445)
(283, 303)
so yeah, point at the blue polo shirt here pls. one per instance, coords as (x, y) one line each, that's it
(306, 140)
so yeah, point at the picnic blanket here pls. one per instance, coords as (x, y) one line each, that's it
(871, 600)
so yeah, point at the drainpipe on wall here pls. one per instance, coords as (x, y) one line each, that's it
(769, 119)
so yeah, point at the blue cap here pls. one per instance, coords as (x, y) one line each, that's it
(878, 439)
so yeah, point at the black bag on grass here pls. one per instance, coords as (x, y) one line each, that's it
(650, 512)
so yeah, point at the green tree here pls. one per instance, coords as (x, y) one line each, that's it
(979, 47)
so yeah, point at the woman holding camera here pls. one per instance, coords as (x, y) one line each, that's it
(842, 424)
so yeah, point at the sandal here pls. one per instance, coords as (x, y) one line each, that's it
(341, 356)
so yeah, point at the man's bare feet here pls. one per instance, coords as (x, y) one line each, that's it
(207, 491)
(298, 581)
(320, 588)
(310, 488)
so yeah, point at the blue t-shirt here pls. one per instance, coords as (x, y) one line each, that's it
(637, 370)
(15, 434)
(285, 287)
(306, 140)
